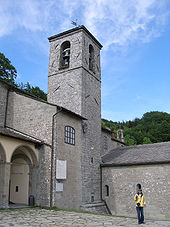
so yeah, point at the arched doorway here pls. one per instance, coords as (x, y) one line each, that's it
(23, 168)
(19, 181)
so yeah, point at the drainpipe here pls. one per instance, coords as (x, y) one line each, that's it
(59, 109)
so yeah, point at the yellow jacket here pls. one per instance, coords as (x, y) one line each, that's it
(140, 199)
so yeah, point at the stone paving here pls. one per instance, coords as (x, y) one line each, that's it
(45, 218)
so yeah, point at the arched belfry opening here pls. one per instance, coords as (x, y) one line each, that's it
(65, 55)
(23, 175)
(91, 57)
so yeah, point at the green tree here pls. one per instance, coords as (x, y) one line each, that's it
(146, 140)
(153, 127)
(9, 74)
(7, 71)
(36, 91)
(130, 140)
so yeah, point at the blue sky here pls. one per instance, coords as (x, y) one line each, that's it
(135, 59)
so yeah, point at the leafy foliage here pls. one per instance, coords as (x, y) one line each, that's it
(153, 127)
(8, 73)
(35, 91)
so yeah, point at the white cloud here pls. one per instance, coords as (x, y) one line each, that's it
(114, 22)
(120, 22)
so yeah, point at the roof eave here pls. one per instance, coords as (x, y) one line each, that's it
(133, 163)
(73, 30)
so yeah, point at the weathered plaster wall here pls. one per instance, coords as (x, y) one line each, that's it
(122, 181)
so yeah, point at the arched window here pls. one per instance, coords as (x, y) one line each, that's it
(138, 186)
(91, 57)
(65, 55)
(107, 190)
(69, 135)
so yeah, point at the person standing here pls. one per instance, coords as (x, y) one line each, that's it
(140, 203)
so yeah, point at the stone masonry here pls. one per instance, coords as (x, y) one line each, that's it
(35, 129)
(148, 165)
(3, 100)
(79, 89)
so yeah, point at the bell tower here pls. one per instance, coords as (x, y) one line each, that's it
(74, 82)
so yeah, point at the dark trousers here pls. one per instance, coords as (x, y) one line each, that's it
(140, 214)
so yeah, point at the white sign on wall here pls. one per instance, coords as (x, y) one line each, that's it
(61, 169)
(59, 187)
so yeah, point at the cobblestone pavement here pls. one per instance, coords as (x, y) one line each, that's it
(44, 217)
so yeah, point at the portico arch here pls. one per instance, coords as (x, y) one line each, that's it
(27, 151)
(23, 175)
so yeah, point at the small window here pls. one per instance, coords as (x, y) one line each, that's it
(138, 186)
(91, 57)
(105, 143)
(107, 190)
(65, 55)
(69, 135)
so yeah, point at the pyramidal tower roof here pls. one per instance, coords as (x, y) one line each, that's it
(76, 29)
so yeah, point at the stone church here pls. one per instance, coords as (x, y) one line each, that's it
(57, 153)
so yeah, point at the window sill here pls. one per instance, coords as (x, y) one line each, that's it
(63, 67)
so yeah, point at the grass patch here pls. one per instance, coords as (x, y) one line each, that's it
(81, 211)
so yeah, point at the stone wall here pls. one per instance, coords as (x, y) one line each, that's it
(3, 100)
(91, 109)
(71, 196)
(44, 186)
(33, 117)
(91, 139)
(66, 84)
(30, 116)
(79, 89)
(4, 186)
(122, 182)
(111, 143)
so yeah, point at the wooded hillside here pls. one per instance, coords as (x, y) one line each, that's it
(153, 127)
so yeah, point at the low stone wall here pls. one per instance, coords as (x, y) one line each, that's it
(95, 207)
(122, 182)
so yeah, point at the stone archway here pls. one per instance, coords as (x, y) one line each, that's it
(23, 175)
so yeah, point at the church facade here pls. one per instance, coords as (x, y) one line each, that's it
(56, 152)
(51, 150)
